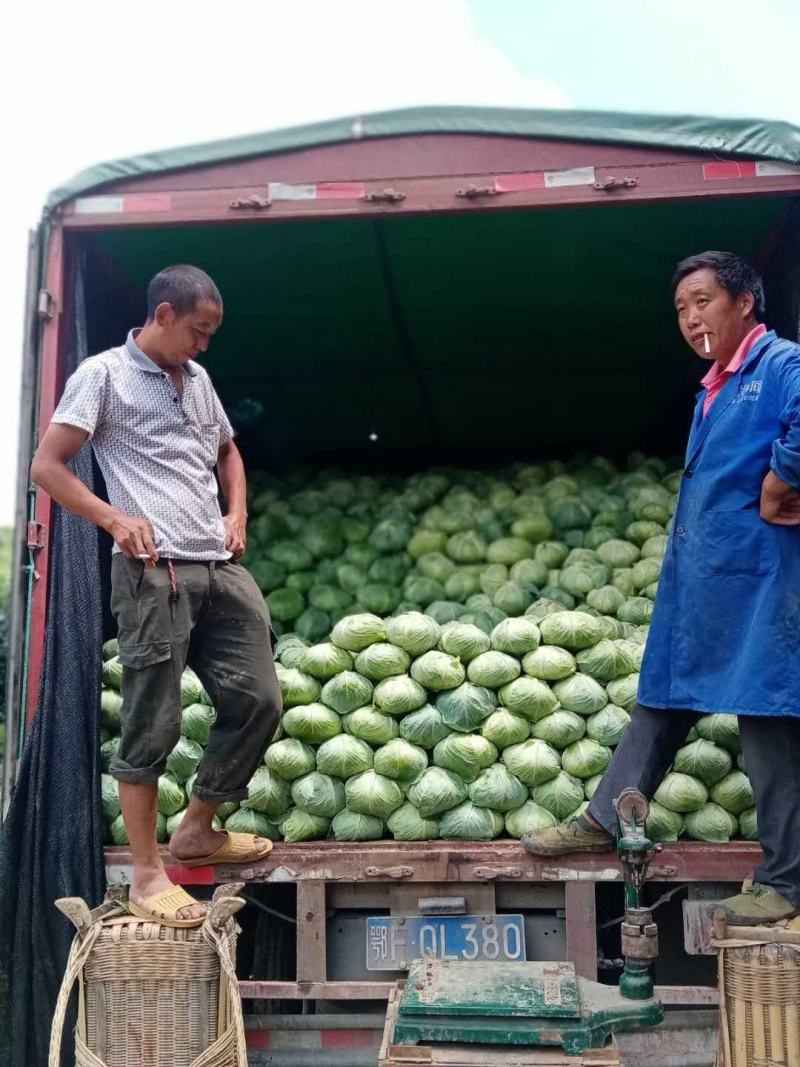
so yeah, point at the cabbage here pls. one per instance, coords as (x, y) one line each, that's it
(703, 760)
(119, 834)
(444, 611)
(297, 687)
(174, 821)
(111, 709)
(533, 761)
(356, 826)
(382, 660)
(560, 795)
(585, 758)
(184, 759)
(618, 554)
(722, 729)
(663, 824)
(424, 727)
(342, 757)
(467, 547)
(196, 722)
(437, 671)
(512, 599)
(290, 759)
(325, 660)
(528, 819)
(710, 823)
(504, 728)
(509, 550)
(291, 555)
(318, 794)
(171, 795)
(466, 707)
(498, 789)
(529, 697)
(346, 692)
(493, 578)
(301, 825)
(608, 725)
(267, 793)
(289, 649)
(641, 531)
(655, 547)
(108, 752)
(468, 822)
(464, 641)
(437, 790)
(681, 793)
(733, 793)
(636, 610)
(354, 633)
(464, 583)
(541, 608)
(560, 729)
(267, 574)
(313, 623)
(493, 669)
(529, 573)
(748, 824)
(624, 691)
(515, 636)
(370, 793)
(406, 824)
(549, 663)
(606, 661)
(570, 629)
(371, 725)
(465, 754)
(646, 572)
(426, 541)
(623, 580)
(312, 723)
(435, 565)
(551, 553)
(110, 649)
(390, 535)
(109, 796)
(607, 599)
(590, 785)
(401, 760)
(581, 694)
(285, 604)
(399, 695)
(112, 673)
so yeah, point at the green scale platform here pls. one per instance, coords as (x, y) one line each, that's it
(539, 1004)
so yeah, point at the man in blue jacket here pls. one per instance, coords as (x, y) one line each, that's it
(725, 634)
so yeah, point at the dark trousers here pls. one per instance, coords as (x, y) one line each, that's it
(771, 748)
(219, 624)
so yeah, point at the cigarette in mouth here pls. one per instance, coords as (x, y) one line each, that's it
(706, 345)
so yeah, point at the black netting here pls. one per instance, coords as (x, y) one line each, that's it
(51, 841)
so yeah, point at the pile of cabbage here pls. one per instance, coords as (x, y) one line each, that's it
(458, 658)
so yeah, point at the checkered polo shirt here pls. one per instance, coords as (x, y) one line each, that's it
(157, 451)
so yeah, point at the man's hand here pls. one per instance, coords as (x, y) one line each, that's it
(235, 534)
(134, 537)
(780, 503)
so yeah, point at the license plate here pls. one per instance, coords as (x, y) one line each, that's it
(392, 943)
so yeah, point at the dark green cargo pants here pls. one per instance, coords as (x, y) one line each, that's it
(219, 625)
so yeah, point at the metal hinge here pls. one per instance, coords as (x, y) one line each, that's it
(250, 203)
(385, 196)
(474, 192)
(608, 185)
(37, 536)
(45, 305)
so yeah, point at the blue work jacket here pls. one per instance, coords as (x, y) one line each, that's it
(725, 633)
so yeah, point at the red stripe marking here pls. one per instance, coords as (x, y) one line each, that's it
(729, 169)
(257, 1038)
(340, 190)
(350, 1038)
(146, 202)
(191, 875)
(517, 183)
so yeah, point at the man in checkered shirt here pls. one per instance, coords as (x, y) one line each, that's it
(179, 595)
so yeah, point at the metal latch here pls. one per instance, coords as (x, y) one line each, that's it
(489, 874)
(385, 196)
(388, 872)
(45, 305)
(37, 536)
(474, 192)
(607, 185)
(250, 203)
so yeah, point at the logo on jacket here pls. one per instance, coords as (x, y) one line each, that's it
(750, 391)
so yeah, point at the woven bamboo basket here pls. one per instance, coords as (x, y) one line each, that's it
(759, 987)
(149, 995)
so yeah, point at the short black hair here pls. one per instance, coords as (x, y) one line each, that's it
(182, 286)
(733, 273)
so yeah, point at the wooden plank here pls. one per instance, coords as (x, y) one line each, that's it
(312, 961)
(581, 922)
(315, 990)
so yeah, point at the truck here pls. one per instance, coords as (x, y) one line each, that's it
(422, 287)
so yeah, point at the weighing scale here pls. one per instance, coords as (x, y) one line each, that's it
(445, 1003)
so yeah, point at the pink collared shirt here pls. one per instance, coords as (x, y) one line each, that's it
(718, 376)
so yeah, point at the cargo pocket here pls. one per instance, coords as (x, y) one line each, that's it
(137, 657)
(736, 542)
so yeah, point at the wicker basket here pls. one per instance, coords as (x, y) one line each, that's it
(152, 996)
(759, 986)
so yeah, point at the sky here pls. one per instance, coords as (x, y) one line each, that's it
(89, 81)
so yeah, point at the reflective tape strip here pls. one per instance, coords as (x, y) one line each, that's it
(99, 205)
(317, 191)
(546, 179)
(140, 203)
(723, 170)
